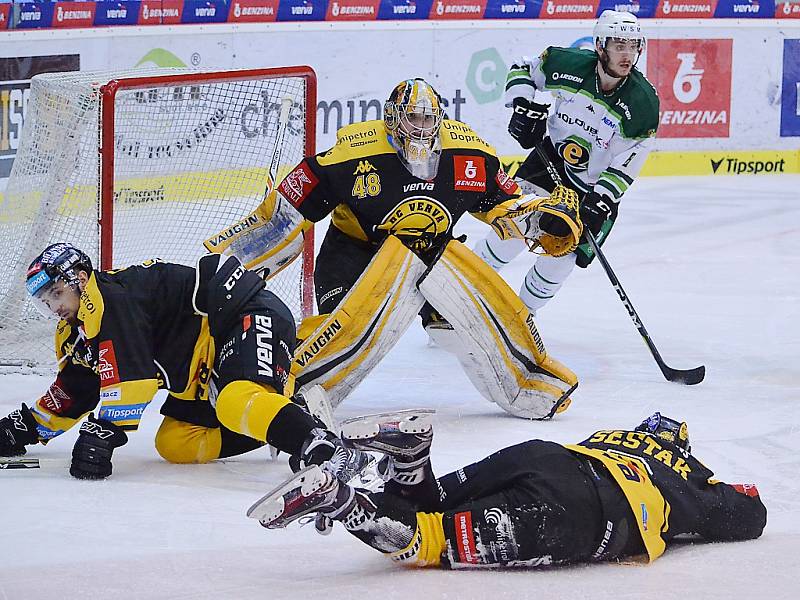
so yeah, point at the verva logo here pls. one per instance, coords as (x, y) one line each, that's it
(5, 11)
(686, 9)
(787, 10)
(168, 12)
(457, 9)
(74, 14)
(107, 364)
(352, 10)
(693, 80)
(253, 11)
(569, 9)
(298, 184)
(469, 173)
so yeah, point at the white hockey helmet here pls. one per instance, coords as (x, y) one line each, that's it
(617, 25)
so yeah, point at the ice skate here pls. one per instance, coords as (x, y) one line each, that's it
(311, 490)
(405, 435)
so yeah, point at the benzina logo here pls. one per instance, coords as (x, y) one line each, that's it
(734, 166)
(693, 81)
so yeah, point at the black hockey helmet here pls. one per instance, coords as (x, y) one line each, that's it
(670, 430)
(58, 262)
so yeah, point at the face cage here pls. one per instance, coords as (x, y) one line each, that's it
(398, 121)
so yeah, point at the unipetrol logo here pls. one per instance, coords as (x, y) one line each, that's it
(688, 79)
(158, 57)
(486, 76)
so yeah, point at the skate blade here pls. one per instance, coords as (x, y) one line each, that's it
(271, 506)
(415, 420)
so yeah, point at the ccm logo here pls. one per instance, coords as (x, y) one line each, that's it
(235, 276)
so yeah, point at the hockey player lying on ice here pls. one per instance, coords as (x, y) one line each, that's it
(395, 188)
(213, 331)
(617, 494)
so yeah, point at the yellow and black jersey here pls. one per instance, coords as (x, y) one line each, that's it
(672, 493)
(371, 194)
(140, 331)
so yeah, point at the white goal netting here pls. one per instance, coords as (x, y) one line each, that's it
(191, 154)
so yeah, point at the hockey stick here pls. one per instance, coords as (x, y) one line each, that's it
(19, 463)
(685, 376)
(220, 241)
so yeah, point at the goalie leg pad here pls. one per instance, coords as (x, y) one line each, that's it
(374, 314)
(501, 351)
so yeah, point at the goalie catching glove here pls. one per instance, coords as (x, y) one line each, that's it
(552, 223)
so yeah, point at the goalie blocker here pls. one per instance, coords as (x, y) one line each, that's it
(501, 349)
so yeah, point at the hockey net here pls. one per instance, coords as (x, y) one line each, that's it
(144, 164)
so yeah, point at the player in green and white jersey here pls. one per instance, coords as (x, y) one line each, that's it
(597, 132)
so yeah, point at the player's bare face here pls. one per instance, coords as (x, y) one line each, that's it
(62, 301)
(620, 57)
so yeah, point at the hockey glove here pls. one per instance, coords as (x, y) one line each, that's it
(596, 210)
(91, 456)
(528, 123)
(17, 430)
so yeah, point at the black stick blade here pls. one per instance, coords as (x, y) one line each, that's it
(686, 377)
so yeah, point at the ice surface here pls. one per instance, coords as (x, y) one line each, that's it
(712, 266)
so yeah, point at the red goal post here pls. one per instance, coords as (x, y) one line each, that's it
(143, 164)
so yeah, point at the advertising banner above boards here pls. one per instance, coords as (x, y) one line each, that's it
(723, 91)
(790, 97)
(37, 15)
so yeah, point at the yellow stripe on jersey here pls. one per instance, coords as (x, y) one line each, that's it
(344, 220)
(249, 408)
(355, 141)
(649, 507)
(428, 544)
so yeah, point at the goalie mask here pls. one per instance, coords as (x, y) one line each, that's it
(667, 429)
(52, 280)
(619, 42)
(412, 116)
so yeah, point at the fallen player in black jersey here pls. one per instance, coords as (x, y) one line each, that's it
(618, 494)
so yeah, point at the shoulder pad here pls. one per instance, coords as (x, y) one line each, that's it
(90, 309)
(458, 135)
(642, 107)
(357, 141)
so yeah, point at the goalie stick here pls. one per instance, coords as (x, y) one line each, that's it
(684, 376)
(242, 225)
